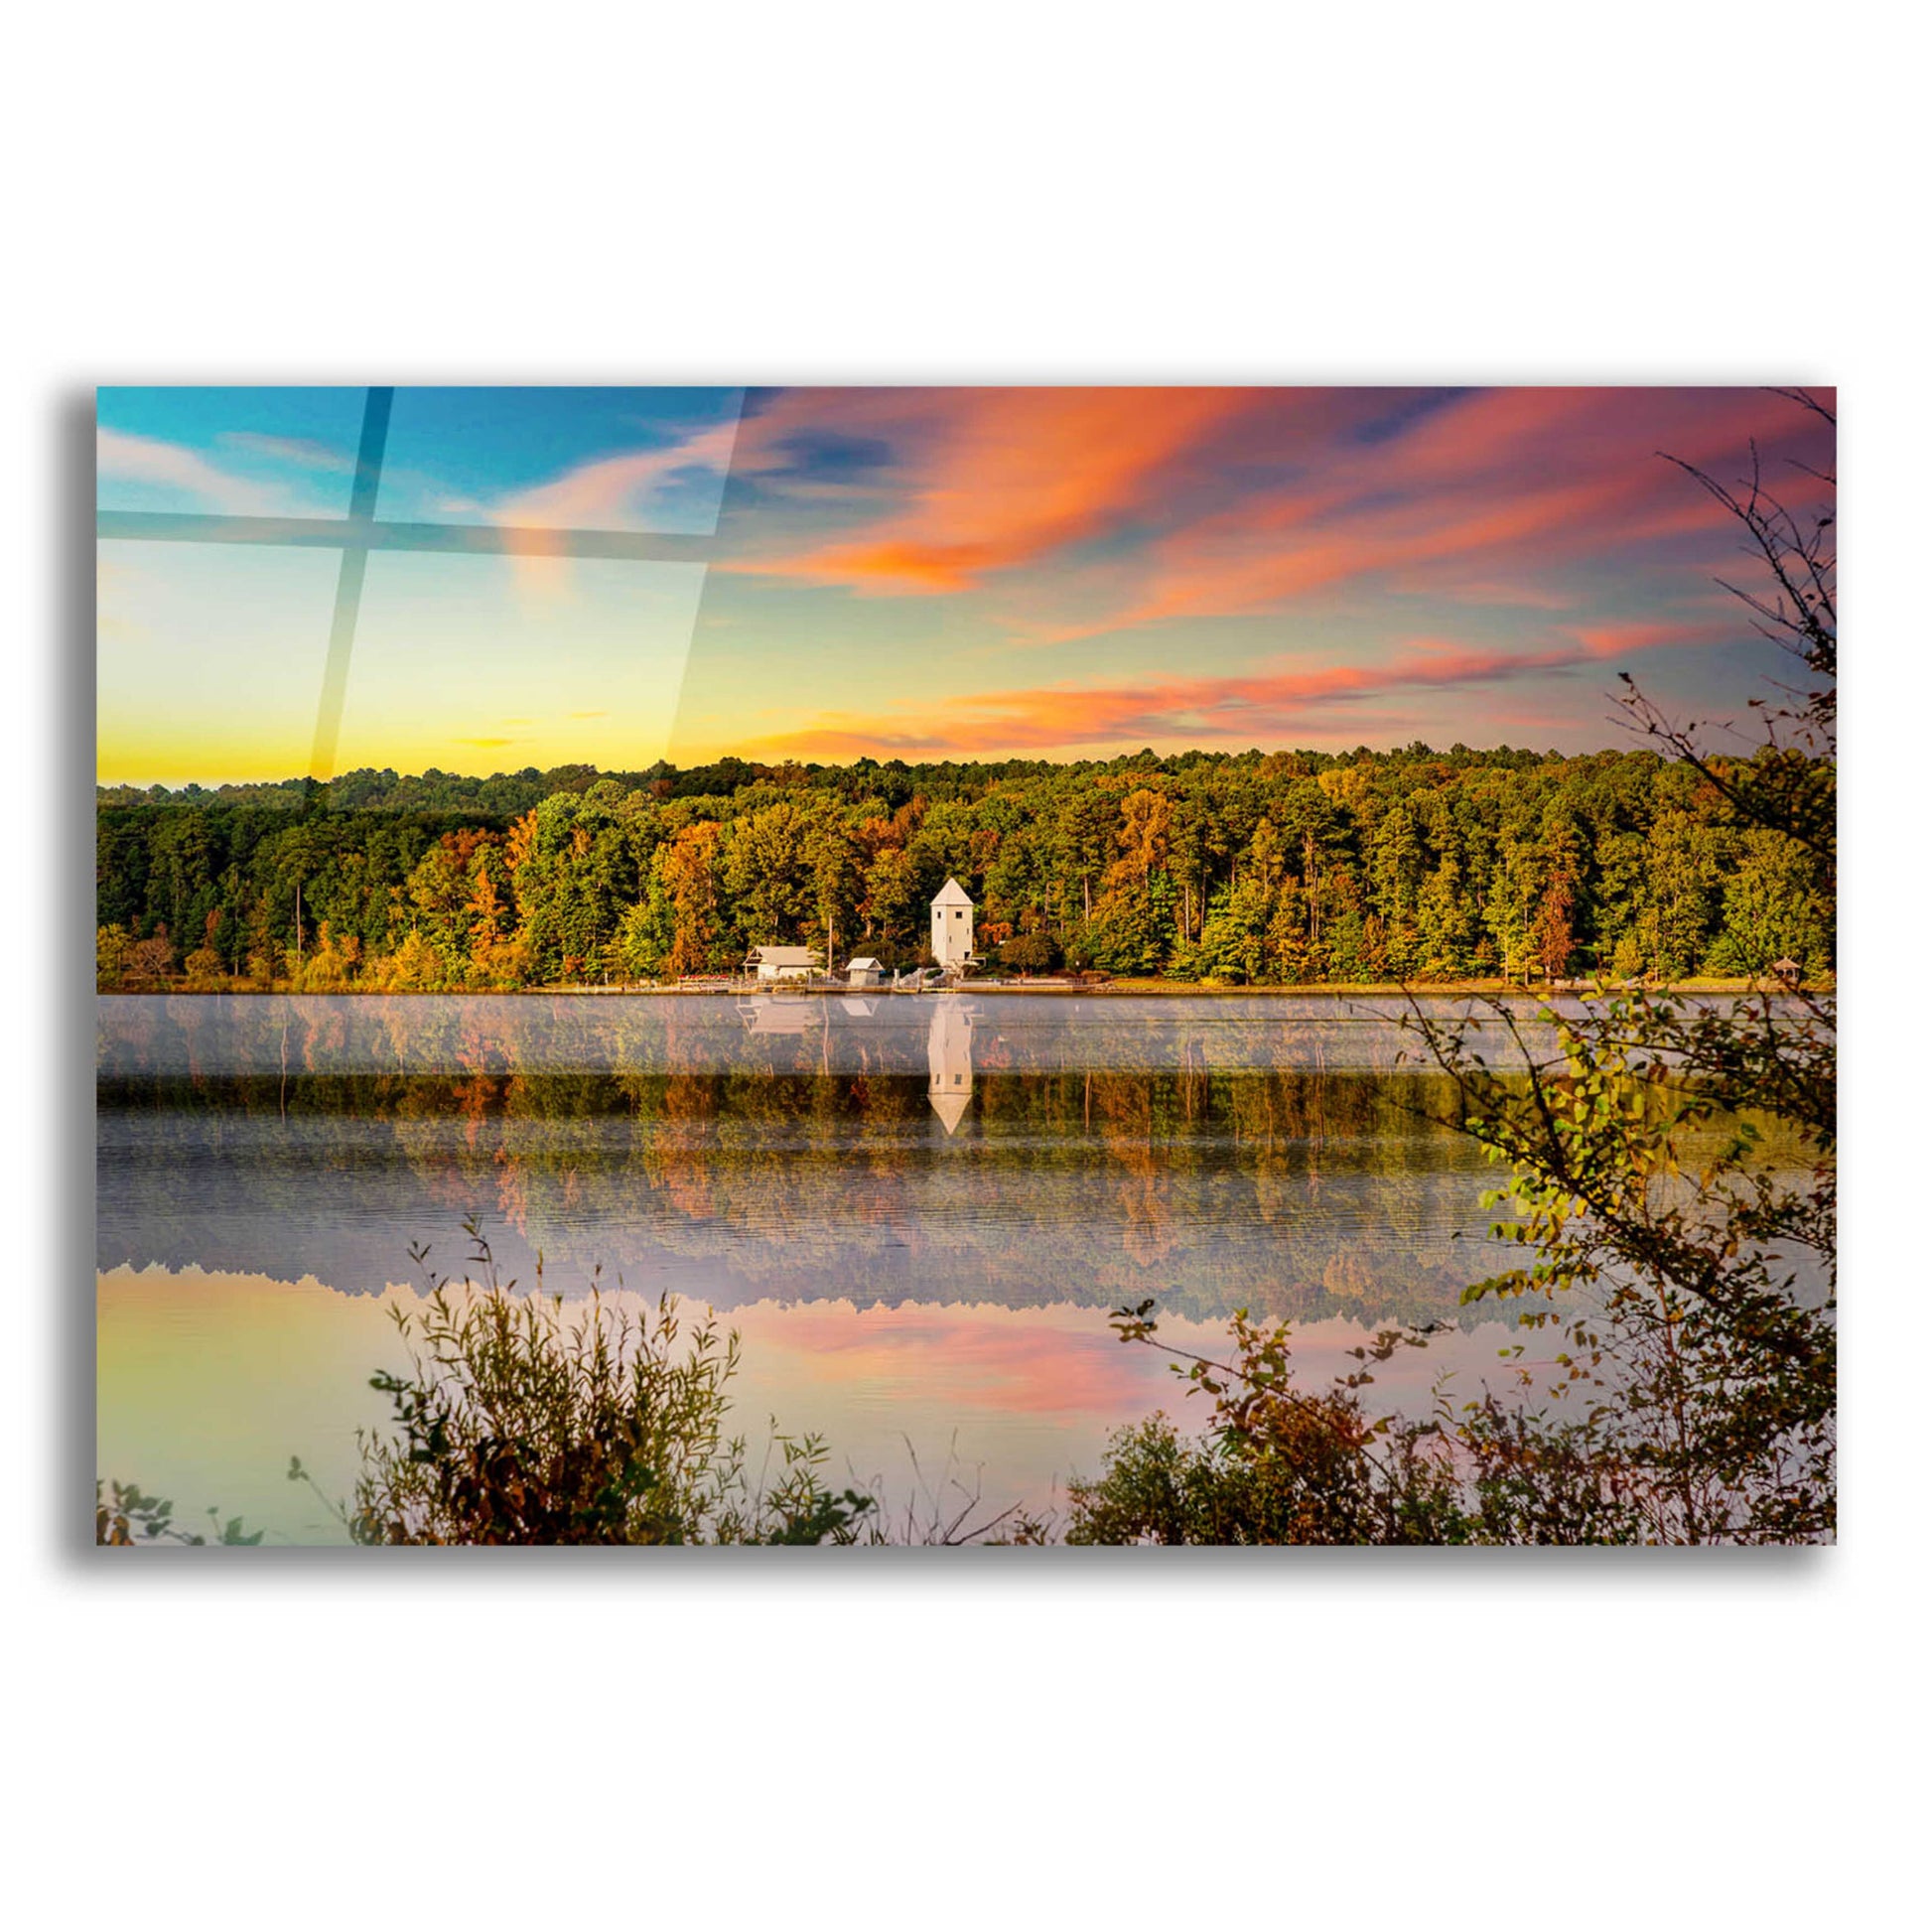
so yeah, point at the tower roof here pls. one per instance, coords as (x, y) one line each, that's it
(952, 893)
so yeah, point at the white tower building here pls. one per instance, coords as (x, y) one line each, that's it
(952, 926)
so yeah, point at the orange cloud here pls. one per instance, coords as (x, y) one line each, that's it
(1000, 477)
(1249, 708)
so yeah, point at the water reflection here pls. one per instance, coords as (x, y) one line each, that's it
(917, 1210)
(809, 1016)
(949, 1059)
(766, 1015)
(869, 1033)
(882, 1149)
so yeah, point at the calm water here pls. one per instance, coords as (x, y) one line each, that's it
(917, 1211)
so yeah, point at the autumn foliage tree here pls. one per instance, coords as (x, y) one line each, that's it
(1264, 869)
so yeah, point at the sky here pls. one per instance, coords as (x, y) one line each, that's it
(925, 573)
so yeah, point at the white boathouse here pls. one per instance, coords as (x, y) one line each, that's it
(783, 962)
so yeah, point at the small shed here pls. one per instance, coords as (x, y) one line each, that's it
(783, 962)
(865, 972)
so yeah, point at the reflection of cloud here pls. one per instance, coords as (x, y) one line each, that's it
(1242, 707)
(149, 459)
(1020, 1361)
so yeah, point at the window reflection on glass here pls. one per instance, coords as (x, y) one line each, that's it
(405, 558)
(445, 647)
(228, 452)
(180, 630)
(560, 459)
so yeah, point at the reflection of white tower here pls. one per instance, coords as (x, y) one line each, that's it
(949, 1053)
(952, 926)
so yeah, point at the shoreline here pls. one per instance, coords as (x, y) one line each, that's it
(1040, 988)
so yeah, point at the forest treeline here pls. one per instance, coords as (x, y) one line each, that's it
(1282, 867)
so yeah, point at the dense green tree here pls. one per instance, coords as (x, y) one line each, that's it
(1773, 907)
(1283, 868)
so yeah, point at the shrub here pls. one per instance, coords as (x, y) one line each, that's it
(1030, 952)
(203, 967)
(150, 959)
(519, 1424)
(112, 945)
(127, 1517)
(1279, 1464)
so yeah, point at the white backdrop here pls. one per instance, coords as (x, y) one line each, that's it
(1503, 193)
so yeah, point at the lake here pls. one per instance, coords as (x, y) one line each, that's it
(915, 1210)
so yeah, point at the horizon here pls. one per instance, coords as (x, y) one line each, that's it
(629, 576)
(764, 769)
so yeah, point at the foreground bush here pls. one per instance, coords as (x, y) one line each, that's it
(1279, 1463)
(517, 1422)
(127, 1517)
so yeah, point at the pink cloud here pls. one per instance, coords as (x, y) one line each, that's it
(1246, 501)
(1509, 479)
(1249, 708)
(596, 495)
(995, 479)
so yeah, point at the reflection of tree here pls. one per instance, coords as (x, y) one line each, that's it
(646, 1146)
(1124, 1120)
(679, 1159)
